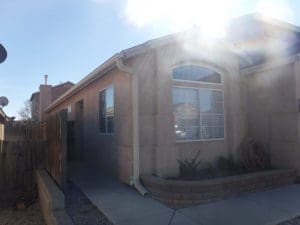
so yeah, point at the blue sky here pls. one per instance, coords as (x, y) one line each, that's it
(66, 39)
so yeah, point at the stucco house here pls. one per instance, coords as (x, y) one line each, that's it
(152, 104)
(47, 94)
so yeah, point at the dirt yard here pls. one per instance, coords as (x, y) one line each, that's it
(79, 208)
(29, 216)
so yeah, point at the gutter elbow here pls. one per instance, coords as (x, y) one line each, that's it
(140, 188)
(121, 66)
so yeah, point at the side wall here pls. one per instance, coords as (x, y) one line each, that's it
(273, 113)
(158, 150)
(110, 153)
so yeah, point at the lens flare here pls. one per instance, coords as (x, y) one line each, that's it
(209, 16)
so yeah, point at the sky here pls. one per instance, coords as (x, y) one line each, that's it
(67, 39)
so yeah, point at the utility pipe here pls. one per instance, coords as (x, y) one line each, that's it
(135, 117)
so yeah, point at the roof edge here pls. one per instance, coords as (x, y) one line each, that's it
(141, 48)
(96, 73)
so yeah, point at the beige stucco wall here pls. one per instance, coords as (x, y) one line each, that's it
(110, 153)
(273, 116)
(159, 151)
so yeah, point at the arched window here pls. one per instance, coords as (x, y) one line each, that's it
(196, 73)
(198, 110)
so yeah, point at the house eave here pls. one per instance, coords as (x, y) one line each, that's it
(111, 64)
(146, 46)
(269, 65)
(91, 77)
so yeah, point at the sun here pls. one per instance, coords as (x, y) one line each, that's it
(209, 16)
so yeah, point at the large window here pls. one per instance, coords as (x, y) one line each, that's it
(196, 73)
(198, 113)
(106, 110)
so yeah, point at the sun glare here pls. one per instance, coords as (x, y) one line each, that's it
(209, 16)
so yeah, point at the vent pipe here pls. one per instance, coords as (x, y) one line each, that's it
(46, 78)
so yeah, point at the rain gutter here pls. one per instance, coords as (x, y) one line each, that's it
(135, 180)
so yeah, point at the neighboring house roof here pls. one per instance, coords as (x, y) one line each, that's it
(240, 34)
(34, 95)
(54, 88)
(63, 84)
(59, 89)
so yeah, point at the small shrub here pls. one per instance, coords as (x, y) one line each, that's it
(228, 163)
(210, 170)
(255, 156)
(189, 167)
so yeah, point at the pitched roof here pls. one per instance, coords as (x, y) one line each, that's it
(255, 36)
(247, 59)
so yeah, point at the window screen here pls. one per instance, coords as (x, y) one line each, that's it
(106, 110)
(196, 73)
(198, 113)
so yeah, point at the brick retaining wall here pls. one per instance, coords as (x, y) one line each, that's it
(180, 193)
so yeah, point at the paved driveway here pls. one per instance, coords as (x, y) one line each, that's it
(124, 206)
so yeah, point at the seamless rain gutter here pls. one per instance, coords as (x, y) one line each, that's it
(135, 115)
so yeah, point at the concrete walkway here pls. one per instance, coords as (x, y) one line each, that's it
(124, 206)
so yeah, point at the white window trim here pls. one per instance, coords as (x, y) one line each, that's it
(208, 66)
(98, 97)
(224, 127)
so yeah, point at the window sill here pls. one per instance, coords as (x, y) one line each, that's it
(203, 140)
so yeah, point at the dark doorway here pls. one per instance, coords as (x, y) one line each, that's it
(78, 128)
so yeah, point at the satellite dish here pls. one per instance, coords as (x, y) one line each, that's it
(3, 101)
(3, 53)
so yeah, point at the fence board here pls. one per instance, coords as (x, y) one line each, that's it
(56, 128)
(20, 155)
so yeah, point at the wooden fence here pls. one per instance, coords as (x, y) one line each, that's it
(30, 146)
(56, 151)
(21, 153)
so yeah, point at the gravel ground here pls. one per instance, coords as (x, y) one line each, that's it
(294, 221)
(81, 210)
(29, 216)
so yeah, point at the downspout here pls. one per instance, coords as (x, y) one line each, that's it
(135, 117)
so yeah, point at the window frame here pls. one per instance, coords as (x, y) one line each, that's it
(204, 65)
(203, 88)
(98, 96)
